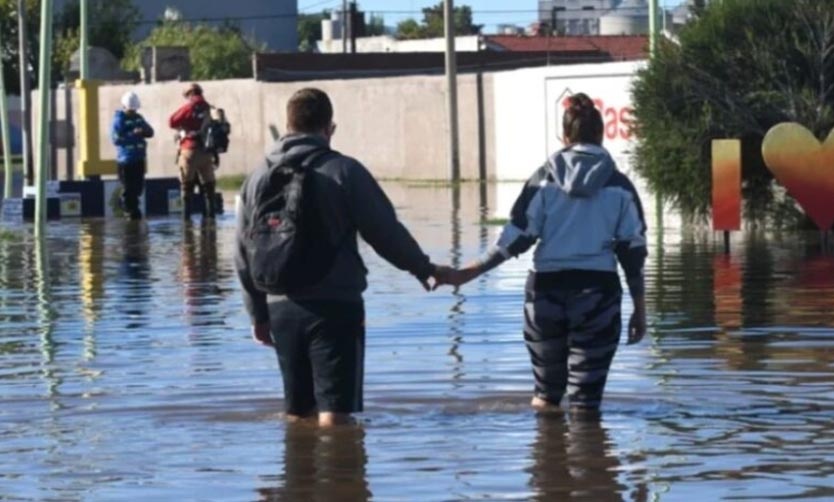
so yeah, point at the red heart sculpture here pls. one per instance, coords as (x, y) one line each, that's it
(805, 167)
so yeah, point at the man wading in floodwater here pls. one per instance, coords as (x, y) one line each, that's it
(585, 216)
(299, 266)
(194, 161)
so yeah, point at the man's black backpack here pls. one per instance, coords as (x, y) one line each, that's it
(215, 133)
(286, 245)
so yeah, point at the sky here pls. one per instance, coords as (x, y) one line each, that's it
(518, 12)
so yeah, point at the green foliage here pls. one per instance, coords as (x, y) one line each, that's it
(741, 67)
(375, 26)
(309, 30)
(216, 52)
(230, 183)
(432, 25)
(112, 23)
(409, 29)
(10, 236)
(9, 49)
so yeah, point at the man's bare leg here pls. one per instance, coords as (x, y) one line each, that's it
(329, 419)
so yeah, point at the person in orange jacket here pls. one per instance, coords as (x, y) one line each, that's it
(194, 161)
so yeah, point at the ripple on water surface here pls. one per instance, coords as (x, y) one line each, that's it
(127, 373)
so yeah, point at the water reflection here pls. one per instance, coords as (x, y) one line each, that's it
(758, 281)
(46, 318)
(733, 397)
(573, 460)
(199, 274)
(456, 315)
(134, 275)
(322, 466)
(91, 270)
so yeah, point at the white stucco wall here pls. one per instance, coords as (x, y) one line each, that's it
(528, 118)
(528, 112)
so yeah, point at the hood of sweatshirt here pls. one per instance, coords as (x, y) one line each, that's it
(581, 170)
(294, 149)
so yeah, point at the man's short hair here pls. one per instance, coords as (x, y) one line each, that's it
(193, 90)
(309, 111)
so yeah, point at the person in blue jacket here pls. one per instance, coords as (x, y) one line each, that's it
(585, 217)
(129, 133)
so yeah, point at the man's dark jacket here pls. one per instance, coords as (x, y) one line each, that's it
(351, 202)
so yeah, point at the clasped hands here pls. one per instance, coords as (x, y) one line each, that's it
(443, 275)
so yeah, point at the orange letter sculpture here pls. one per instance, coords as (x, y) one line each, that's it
(726, 184)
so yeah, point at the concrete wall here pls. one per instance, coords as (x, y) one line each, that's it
(529, 110)
(528, 114)
(396, 126)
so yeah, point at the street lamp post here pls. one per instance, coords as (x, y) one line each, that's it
(452, 90)
(6, 137)
(44, 81)
(25, 94)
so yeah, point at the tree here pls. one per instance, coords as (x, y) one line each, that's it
(309, 30)
(375, 26)
(9, 50)
(433, 23)
(216, 52)
(112, 23)
(409, 29)
(742, 66)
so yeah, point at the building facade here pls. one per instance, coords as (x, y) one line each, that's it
(595, 17)
(270, 22)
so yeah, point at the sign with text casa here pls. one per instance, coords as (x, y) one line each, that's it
(612, 96)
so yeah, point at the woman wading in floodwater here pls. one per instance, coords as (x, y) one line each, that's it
(585, 216)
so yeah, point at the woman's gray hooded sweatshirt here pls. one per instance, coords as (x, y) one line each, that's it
(584, 214)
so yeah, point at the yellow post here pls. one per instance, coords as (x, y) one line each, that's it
(90, 163)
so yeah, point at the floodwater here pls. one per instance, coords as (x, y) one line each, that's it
(127, 373)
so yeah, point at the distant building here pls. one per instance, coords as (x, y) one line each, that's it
(609, 48)
(387, 43)
(271, 22)
(595, 17)
(682, 14)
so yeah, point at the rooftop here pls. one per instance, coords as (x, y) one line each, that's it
(620, 47)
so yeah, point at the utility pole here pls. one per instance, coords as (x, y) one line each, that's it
(84, 36)
(353, 31)
(653, 8)
(452, 90)
(344, 26)
(90, 164)
(653, 40)
(6, 136)
(44, 84)
(25, 94)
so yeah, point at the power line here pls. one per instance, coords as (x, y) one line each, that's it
(316, 4)
(494, 12)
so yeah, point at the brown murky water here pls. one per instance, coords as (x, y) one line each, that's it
(126, 373)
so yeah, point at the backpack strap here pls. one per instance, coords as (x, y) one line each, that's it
(312, 161)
